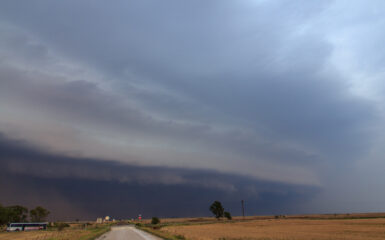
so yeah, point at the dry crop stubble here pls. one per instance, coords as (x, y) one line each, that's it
(42, 235)
(71, 233)
(286, 229)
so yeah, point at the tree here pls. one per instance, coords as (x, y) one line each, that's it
(228, 215)
(17, 213)
(38, 214)
(3, 215)
(217, 209)
(155, 220)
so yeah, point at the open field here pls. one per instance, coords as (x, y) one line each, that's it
(72, 233)
(249, 218)
(285, 229)
(299, 227)
(369, 226)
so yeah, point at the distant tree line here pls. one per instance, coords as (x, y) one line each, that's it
(19, 213)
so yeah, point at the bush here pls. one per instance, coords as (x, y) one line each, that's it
(155, 220)
(228, 215)
(60, 225)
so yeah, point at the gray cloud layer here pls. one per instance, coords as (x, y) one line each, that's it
(287, 91)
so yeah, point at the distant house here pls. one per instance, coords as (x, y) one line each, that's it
(99, 220)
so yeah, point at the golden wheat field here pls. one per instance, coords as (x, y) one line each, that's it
(285, 229)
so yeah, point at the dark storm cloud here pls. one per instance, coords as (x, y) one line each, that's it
(88, 188)
(92, 107)
(289, 91)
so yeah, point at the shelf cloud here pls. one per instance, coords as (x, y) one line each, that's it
(172, 94)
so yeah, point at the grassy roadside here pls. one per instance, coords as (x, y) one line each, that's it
(95, 233)
(158, 233)
(69, 233)
(156, 229)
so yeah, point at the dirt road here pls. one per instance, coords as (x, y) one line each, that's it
(127, 232)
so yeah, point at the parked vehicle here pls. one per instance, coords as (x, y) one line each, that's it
(16, 227)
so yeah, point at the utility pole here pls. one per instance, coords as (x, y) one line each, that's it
(243, 209)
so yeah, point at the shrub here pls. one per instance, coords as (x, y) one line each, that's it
(155, 220)
(228, 215)
(60, 225)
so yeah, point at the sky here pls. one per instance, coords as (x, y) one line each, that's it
(275, 101)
